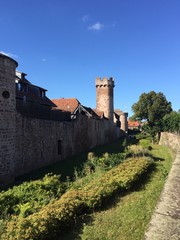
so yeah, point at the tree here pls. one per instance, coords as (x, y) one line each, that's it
(152, 107)
(171, 122)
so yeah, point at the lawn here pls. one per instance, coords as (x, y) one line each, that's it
(126, 217)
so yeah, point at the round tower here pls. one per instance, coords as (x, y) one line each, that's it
(7, 118)
(124, 121)
(105, 96)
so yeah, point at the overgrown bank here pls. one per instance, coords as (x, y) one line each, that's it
(127, 217)
(101, 179)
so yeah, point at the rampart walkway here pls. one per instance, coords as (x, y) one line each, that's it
(165, 222)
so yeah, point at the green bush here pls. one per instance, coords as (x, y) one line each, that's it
(146, 144)
(30, 197)
(106, 162)
(59, 214)
(137, 151)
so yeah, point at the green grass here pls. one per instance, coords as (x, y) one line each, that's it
(126, 217)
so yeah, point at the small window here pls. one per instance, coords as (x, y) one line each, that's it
(19, 86)
(6, 94)
(42, 93)
(59, 146)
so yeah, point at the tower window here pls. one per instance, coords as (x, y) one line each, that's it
(6, 94)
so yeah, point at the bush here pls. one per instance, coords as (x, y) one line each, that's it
(59, 214)
(146, 144)
(30, 197)
(136, 151)
(106, 162)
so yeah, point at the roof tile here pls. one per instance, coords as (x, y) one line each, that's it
(66, 104)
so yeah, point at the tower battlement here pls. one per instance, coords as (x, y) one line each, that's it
(104, 82)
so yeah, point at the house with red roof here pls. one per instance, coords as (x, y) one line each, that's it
(133, 125)
(74, 106)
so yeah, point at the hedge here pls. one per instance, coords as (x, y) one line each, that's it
(56, 216)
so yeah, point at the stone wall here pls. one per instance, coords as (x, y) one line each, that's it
(42, 142)
(171, 140)
(7, 117)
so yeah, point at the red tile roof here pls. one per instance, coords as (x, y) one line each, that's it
(66, 104)
(133, 124)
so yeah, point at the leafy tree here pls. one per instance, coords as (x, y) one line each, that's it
(171, 122)
(152, 107)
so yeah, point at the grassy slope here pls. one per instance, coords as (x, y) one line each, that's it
(128, 216)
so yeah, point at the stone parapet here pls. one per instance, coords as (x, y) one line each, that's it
(104, 82)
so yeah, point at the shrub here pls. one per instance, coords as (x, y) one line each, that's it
(106, 162)
(145, 143)
(30, 197)
(136, 151)
(59, 214)
(91, 155)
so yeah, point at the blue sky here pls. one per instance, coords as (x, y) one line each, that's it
(63, 45)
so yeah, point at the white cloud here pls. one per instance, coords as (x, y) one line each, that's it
(9, 54)
(97, 26)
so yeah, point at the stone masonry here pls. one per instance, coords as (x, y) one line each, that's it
(7, 116)
(104, 96)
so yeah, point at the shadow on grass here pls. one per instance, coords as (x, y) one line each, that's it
(75, 231)
(158, 159)
(65, 168)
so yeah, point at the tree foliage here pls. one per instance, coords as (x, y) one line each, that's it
(152, 107)
(171, 122)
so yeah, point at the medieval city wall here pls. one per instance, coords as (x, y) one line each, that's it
(32, 137)
(171, 140)
(42, 142)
